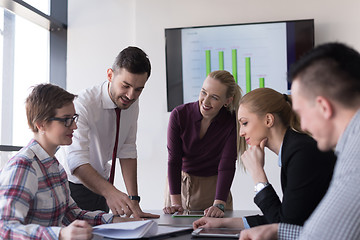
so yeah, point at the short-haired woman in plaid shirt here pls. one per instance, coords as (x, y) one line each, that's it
(35, 200)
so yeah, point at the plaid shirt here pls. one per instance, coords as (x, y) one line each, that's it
(35, 197)
(338, 214)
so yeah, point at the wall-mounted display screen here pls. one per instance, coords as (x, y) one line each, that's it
(257, 54)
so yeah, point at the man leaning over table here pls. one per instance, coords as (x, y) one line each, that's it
(326, 95)
(107, 129)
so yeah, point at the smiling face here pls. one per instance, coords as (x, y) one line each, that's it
(55, 133)
(252, 127)
(125, 87)
(212, 97)
(312, 117)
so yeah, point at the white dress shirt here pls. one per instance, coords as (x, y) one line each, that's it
(94, 140)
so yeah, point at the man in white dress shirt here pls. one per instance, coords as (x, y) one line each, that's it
(87, 159)
(326, 95)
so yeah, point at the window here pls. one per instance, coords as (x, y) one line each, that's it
(41, 5)
(30, 66)
(32, 51)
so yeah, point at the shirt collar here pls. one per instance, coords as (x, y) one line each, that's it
(352, 127)
(279, 158)
(41, 154)
(106, 101)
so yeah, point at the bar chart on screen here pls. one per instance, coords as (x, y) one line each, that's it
(255, 56)
(234, 67)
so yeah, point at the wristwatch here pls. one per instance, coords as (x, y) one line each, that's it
(260, 186)
(136, 198)
(220, 206)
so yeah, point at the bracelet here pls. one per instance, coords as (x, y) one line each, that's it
(260, 186)
(220, 206)
(136, 198)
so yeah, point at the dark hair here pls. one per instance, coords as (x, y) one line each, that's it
(266, 100)
(134, 60)
(43, 101)
(331, 70)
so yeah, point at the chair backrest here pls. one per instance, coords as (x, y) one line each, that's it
(6, 152)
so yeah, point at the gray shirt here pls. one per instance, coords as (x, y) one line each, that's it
(338, 214)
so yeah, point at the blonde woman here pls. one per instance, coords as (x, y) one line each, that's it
(202, 148)
(267, 120)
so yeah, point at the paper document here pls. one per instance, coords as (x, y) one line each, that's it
(127, 230)
(169, 230)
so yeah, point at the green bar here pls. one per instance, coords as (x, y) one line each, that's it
(248, 75)
(208, 62)
(234, 64)
(221, 60)
(262, 82)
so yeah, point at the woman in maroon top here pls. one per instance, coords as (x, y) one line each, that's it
(203, 147)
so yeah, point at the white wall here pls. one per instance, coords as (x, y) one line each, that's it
(98, 30)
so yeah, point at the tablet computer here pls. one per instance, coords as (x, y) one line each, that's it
(187, 213)
(217, 232)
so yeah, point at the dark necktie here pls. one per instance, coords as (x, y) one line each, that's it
(112, 171)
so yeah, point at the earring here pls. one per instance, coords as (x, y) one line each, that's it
(225, 105)
(42, 132)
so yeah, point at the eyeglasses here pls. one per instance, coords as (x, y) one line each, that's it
(67, 121)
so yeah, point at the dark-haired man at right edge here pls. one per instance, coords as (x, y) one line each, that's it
(326, 95)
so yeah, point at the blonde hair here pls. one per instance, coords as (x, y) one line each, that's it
(266, 100)
(234, 91)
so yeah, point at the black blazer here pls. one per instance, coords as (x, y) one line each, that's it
(306, 173)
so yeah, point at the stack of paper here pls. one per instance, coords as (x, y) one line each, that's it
(127, 230)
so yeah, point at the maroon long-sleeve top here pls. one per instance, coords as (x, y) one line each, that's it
(214, 154)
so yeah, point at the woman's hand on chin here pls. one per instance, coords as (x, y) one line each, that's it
(254, 160)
